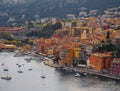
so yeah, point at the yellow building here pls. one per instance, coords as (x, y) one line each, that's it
(77, 52)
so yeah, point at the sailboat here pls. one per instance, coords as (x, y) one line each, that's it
(20, 71)
(5, 67)
(7, 77)
(43, 75)
(28, 59)
(30, 69)
(2, 64)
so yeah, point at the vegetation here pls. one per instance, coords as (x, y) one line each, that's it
(25, 48)
(30, 41)
(74, 23)
(14, 42)
(46, 31)
(20, 12)
(108, 46)
(6, 35)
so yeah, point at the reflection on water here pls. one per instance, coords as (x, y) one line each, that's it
(54, 81)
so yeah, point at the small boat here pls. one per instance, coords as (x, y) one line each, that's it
(5, 69)
(17, 55)
(20, 71)
(6, 78)
(19, 65)
(43, 76)
(23, 64)
(96, 77)
(85, 74)
(77, 75)
(2, 64)
(30, 69)
(28, 59)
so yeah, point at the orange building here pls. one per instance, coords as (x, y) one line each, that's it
(101, 61)
(3, 46)
(66, 55)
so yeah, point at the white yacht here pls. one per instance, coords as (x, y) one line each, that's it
(77, 75)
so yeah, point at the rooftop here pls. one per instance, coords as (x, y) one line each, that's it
(98, 54)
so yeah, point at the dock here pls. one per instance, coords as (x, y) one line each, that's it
(80, 70)
(91, 72)
(50, 63)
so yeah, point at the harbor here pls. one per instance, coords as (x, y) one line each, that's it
(81, 70)
(60, 45)
(55, 80)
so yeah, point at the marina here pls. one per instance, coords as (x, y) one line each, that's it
(54, 80)
(81, 70)
(60, 45)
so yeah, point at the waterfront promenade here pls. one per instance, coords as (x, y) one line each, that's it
(50, 63)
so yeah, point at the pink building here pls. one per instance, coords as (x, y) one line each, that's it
(115, 67)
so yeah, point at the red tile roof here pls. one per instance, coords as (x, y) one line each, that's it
(10, 29)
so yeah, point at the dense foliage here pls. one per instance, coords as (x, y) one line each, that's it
(46, 30)
(16, 13)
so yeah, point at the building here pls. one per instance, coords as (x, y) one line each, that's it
(115, 67)
(101, 61)
(117, 40)
(16, 32)
(4, 46)
(70, 16)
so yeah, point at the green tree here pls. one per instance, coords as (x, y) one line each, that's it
(5, 41)
(47, 26)
(57, 25)
(19, 43)
(6, 35)
(30, 25)
(30, 41)
(74, 23)
(14, 42)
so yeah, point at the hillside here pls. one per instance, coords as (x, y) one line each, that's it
(17, 11)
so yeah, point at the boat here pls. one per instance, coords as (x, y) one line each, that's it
(43, 75)
(18, 54)
(20, 71)
(85, 74)
(5, 69)
(19, 65)
(6, 78)
(2, 64)
(28, 59)
(23, 64)
(30, 69)
(96, 77)
(77, 75)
